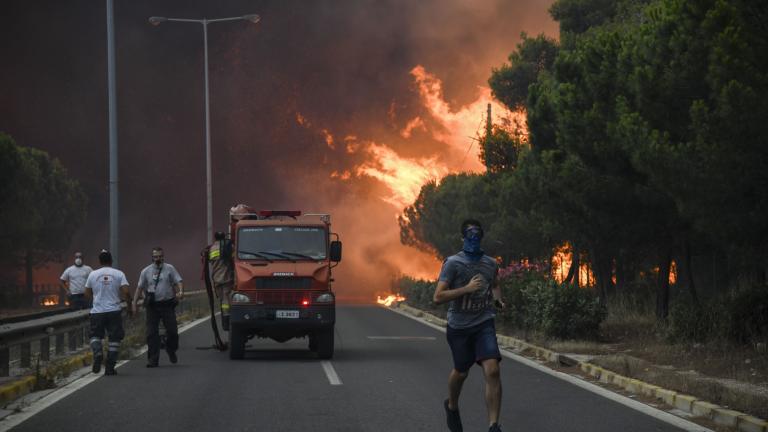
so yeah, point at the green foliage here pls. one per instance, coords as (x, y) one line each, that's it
(42, 205)
(500, 150)
(510, 82)
(433, 222)
(562, 311)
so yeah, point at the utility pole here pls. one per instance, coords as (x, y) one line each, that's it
(112, 96)
(488, 132)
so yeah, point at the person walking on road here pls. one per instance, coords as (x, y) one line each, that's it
(468, 280)
(73, 279)
(105, 287)
(161, 286)
(222, 273)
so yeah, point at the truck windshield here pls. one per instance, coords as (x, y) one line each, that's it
(282, 242)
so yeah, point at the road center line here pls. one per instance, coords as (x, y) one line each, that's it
(330, 372)
(416, 338)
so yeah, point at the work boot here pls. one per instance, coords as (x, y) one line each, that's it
(225, 322)
(172, 357)
(452, 418)
(111, 362)
(495, 428)
(96, 366)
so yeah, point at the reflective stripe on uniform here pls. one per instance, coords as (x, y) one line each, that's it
(114, 346)
(214, 254)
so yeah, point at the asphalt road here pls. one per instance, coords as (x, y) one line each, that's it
(392, 371)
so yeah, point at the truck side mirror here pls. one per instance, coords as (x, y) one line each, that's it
(335, 251)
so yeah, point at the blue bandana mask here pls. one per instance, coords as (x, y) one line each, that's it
(472, 238)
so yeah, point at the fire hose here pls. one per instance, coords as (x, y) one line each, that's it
(218, 343)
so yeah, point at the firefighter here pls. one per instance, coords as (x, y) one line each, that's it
(105, 287)
(73, 279)
(162, 288)
(222, 273)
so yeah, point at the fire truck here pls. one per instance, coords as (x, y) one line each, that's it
(283, 263)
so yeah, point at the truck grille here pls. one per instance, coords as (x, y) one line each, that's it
(284, 283)
(283, 297)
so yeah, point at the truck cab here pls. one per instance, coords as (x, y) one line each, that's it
(283, 262)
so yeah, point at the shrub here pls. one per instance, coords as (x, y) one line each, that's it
(747, 314)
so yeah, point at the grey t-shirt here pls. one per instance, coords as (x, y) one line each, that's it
(166, 279)
(76, 276)
(470, 309)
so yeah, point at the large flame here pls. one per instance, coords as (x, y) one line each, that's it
(404, 177)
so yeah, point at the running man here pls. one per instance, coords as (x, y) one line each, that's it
(468, 281)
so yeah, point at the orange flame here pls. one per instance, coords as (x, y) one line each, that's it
(561, 264)
(392, 298)
(404, 177)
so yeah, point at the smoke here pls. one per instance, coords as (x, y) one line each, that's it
(360, 74)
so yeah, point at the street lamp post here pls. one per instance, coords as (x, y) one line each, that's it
(156, 21)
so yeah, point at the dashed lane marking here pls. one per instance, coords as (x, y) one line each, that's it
(330, 372)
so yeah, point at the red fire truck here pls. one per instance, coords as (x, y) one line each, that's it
(283, 284)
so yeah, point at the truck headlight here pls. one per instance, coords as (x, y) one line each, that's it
(240, 298)
(325, 298)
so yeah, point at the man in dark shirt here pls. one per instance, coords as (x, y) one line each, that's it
(468, 281)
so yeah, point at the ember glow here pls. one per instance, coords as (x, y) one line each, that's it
(387, 301)
(49, 301)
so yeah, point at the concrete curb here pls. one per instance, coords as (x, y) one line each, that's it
(26, 384)
(690, 404)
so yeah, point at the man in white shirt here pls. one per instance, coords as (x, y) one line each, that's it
(161, 285)
(106, 287)
(73, 279)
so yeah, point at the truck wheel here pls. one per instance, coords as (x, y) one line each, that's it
(325, 343)
(236, 343)
(313, 342)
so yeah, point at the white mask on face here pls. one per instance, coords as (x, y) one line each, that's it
(78, 262)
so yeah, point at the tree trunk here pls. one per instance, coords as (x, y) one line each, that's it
(662, 286)
(573, 271)
(689, 273)
(602, 269)
(28, 267)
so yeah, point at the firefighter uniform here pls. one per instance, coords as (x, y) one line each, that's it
(222, 274)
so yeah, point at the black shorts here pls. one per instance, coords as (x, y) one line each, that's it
(109, 322)
(473, 345)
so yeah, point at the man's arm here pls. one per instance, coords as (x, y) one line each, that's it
(443, 294)
(178, 290)
(125, 295)
(89, 294)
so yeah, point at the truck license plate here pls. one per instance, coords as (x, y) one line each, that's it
(287, 314)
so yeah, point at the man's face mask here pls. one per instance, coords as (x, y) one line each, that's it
(78, 260)
(472, 238)
(157, 258)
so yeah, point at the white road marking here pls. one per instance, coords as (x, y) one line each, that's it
(55, 396)
(630, 403)
(330, 372)
(418, 338)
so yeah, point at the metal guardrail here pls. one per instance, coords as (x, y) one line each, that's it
(18, 339)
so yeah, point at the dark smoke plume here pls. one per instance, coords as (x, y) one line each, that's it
(343, 65)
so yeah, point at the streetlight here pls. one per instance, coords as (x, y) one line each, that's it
(156, 21)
